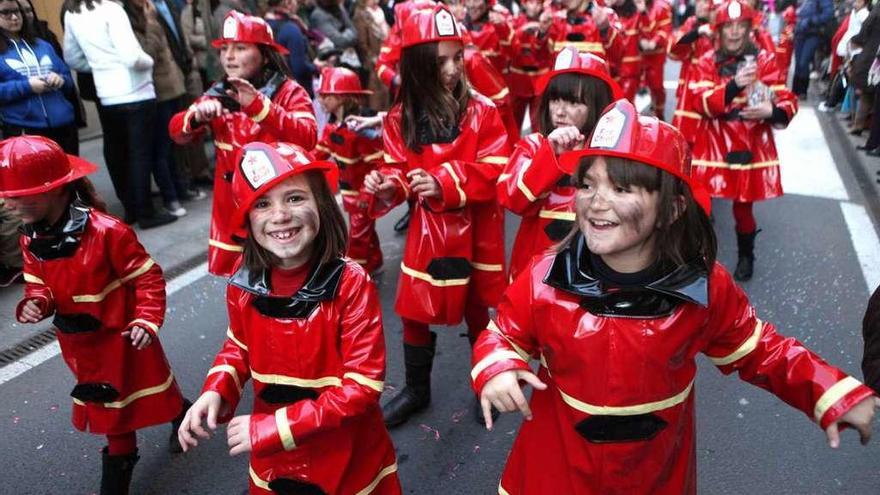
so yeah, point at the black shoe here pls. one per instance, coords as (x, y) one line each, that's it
(745, 263)
(856, 131)
(174, 446)
(403, 223)
(156, 220)
(203, 181)
(192, 194)
(416, 395)
(873, 152)
(863, 147)
(10, 275)
(116, 472)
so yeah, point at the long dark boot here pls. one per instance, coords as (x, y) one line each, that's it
(799, 86)
(116, 472)
(174, 446)
(417, 393)
(745, 263)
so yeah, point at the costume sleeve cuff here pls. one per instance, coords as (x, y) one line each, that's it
(225, 384)
(495, 363)
(839, 399)
(145, 324)
(258, 109)
(44, 303)
(266, 437)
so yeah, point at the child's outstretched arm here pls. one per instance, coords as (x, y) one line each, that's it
(743, 343)
(37, 302)
(501, 354)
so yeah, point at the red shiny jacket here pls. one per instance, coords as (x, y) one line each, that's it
(580, 31)
(317, 366)
(98, 283)
(389, 54)
(455, 243)
(658, 29)
(287, 117)
(627, 63)
(357, 154)
(785, 47)
(736, 159)
(493, 40)
(687, 45)
(617, 416)
(489, 82)
(531, 58)
(535, 188)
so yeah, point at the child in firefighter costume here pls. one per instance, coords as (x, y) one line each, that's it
(306, 327)
(532, 184)
(616, 318)
(87, 270)
(734, 153)
(687, 44)
(356, 154)
(445, 147)
(257, 100)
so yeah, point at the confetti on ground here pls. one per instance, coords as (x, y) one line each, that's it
(53, 407)
(427, 429)
(456, 417)
(476, 448)
(744, 402)
(15, 420)
(39, 446)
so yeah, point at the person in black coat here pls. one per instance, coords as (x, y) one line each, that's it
(871, 336)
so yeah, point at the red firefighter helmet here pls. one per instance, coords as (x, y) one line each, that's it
(241, 28)
(35, 164)
(427, 26)
(262, 166)
(340, 81)
(569, 60)
(621, 132)
(733, 11)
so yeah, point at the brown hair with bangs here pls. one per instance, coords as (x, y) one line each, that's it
(681, 237)
(330, 241)
(422, 93)
(576, 88)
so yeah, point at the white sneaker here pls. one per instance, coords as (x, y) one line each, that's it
(823, 107)
(814, 76)
(175, 209)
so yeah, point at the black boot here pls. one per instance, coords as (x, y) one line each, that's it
(799, 86)
(417, 393)
(173, 441)
(116, 472)
(745, 263)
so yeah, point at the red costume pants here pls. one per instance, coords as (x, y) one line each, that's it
(363, 243)
(653, 74)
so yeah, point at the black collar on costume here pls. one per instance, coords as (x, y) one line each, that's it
(322, 285)
(269, 88)
(727, 63)
(571, 272)
(61, 239)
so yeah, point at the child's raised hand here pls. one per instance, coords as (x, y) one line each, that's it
(238, 435)
(504, 393)
(140, 337)
(207, 406)
(859, 417)
(207, 110)
(30, 312)
(376, 183)
(244, 92)
(423, 184)
(566, 138)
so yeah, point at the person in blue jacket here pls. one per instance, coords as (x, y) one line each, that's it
(812, 18)
(33, 83)
(290, 33)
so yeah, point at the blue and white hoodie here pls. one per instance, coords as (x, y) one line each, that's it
(19, 105)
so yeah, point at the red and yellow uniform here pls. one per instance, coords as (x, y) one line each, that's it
(658, 29)
(578, 30)
(493, 39)
(690, 42)
(489, 82)
(627, 64)
(785, 47)
(531, 58)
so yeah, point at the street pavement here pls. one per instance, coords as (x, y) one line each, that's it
(816, 259)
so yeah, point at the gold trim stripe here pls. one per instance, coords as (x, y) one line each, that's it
(348, 192)
(834, 394)
(557, 215)
(149, 324)
(493, 327)
(501, 490)
(187, 120)
(425, 277)
(305, 115)
(378, 479)
(225, 247)
(492, 358)
(375, 156)
(521, 185)
(229, 369)
(237, 342)
(633, 410)
(385, 49)
(487, 267)
(457, 182)
(499, 95)
(494, 160)
(33, 279)
(389, 159)
(744, 349)
(264, 112)
(158, 389)
(376, 385)
(223, 146)
(503, 177)
(257, 480)
(283, 426)
(735, 166)
(581, 46)
(690, 115)
(325, 381)
(93, 298)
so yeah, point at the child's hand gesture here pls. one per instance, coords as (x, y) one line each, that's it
(566, 138)
(140, 337)
(31, 312)
(423, 184)
(504, 393)
(859, 417)
(207, 406)
(238, 435)
(376, 183)
(242, 91)
(208, 109)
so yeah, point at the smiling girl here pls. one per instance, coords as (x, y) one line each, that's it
(616, 317)
(306, 327)
(444, 147)
(257, 100)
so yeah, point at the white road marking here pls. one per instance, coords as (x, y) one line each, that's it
(42, 355)
(865, 242)
(670, 84)
(808, 169)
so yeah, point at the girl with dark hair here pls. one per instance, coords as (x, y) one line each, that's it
(107, 296)
(616, 318)
(306, 327)
(34, 83)
(444, 147)
(258, 100)
(532, 184)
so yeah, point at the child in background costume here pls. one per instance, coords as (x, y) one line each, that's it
(444, 147)
(258, 100)
(532, 184)
(107, 296)
(616, 318)
(306, 327)
(356, 153)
